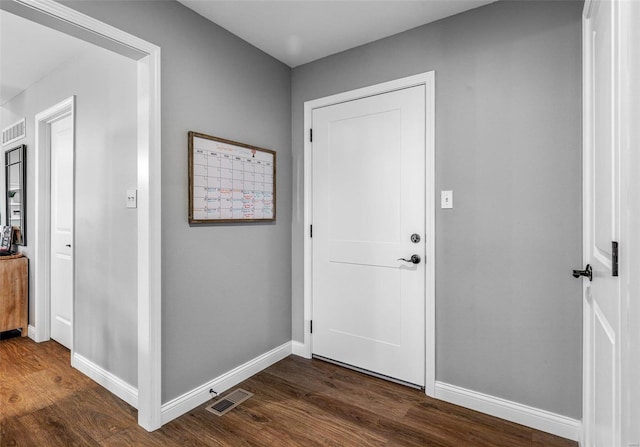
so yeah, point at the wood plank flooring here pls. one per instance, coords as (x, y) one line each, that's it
(297, 402)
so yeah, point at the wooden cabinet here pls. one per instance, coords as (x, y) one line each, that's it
(14, 293)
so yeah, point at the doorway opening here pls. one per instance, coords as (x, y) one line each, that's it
(147, 397)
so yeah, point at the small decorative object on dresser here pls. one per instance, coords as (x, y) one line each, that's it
(14, 293)
(6, 240)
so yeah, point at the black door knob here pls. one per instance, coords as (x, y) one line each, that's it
(588, 272)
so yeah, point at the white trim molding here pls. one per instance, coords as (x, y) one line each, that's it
(428, 80)
(196, 397)
(116, 385)
(149, 212)
(149, 243)
(511, 411)
(298, 349)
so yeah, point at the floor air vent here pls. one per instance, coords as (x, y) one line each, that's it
(229, 402)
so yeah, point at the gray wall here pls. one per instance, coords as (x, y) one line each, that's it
(106, 164)
(226, 289)
(508, 143)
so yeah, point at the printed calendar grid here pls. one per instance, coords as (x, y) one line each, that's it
(231, 182)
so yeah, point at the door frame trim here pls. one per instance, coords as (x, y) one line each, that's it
(42, 204)
(428, 80)
(149, 248)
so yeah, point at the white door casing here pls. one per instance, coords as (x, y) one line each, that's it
(426, 247)
(630, 218)
(601, 227)
(62, 181)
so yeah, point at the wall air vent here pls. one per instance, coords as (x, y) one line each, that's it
(15, 132)
(228, 403)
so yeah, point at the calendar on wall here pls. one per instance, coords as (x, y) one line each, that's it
(230, 181)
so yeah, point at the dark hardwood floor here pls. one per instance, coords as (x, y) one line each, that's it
(297, 402)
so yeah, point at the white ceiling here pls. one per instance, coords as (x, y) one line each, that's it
(293, 31)
(300, 31)
(29, 51)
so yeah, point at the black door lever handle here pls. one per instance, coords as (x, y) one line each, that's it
(415, 259)
(588, 272)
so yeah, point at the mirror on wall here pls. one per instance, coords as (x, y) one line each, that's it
(15, 182)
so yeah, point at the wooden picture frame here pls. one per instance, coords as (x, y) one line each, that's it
(230, 182)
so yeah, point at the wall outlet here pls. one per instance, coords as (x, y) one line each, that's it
(446, 199)
(132, 198)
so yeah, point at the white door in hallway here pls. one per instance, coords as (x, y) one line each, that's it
(61, 143)
(601, 227)
(368, 197)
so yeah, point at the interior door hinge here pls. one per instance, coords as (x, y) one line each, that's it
(310, 230)
(614, 258)
(311, 135)
(311, 326)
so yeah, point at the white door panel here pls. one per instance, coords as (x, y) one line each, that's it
(368, 199)
(61, 230)
(602, 299)
(604, 343)
(356, 173)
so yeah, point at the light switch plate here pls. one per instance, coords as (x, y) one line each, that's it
(132, 198)
(446, 199)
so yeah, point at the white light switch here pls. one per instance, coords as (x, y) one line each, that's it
(132, 198)
(446, 199)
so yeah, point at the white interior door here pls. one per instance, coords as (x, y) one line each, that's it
(61, 230)
(602, 298)
(368, 201)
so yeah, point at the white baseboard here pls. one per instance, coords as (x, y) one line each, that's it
(299, 349)
(196, 397)
(34, 334)
(116, 385)
(511, 411)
